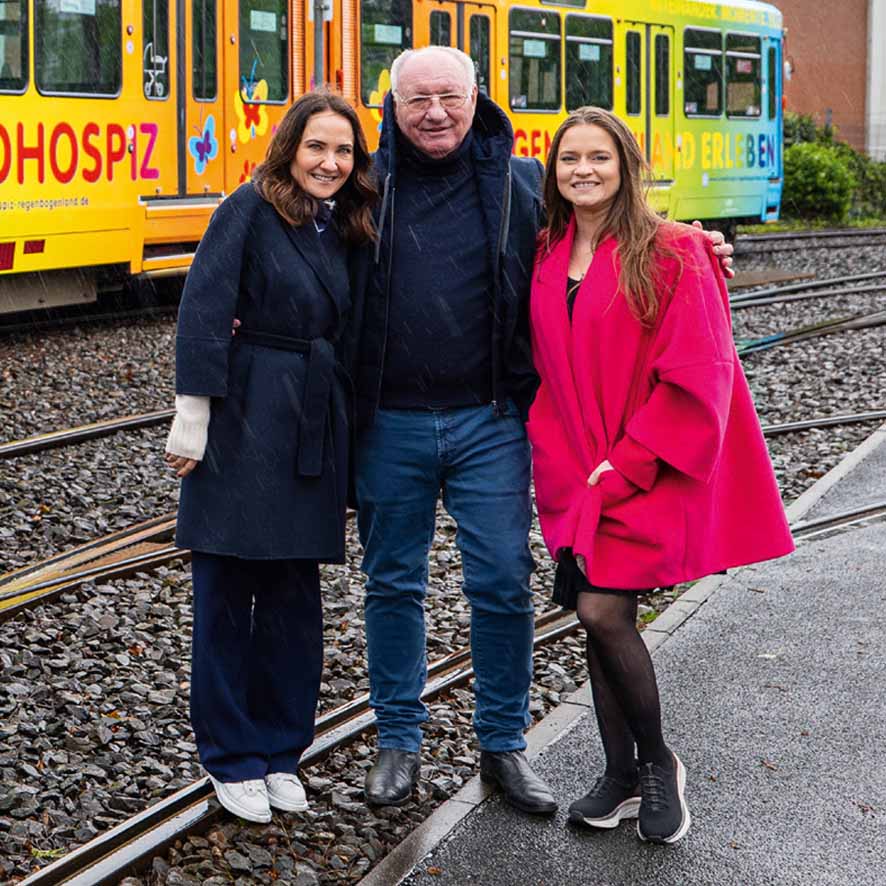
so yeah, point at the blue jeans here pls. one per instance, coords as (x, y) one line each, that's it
(480, 461)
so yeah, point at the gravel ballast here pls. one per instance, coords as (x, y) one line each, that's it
(94, 687)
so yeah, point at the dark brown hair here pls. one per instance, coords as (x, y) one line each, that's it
(634, 225)
(274, 181)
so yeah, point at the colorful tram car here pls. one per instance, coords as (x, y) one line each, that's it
(123, 123)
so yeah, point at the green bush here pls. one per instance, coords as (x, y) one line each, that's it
(869, 192)
(799, 128)
(818, 182)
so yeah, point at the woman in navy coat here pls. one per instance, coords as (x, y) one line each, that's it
(261, 439)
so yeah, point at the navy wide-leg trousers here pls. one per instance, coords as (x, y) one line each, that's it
(257, 656)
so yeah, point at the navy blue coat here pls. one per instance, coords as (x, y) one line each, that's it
(510, 194)
(273, 481)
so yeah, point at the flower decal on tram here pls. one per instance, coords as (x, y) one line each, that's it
(377, 96)
(204, 147)
(252, 116)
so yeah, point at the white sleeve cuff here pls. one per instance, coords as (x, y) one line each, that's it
(189, 427)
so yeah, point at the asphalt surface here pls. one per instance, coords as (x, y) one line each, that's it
(863, 486)
(774, 696)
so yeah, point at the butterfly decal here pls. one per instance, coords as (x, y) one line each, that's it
(252, 114)
(204, 148)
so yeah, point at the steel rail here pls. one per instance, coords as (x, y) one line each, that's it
(805, 296)
(126, 848)
(826, 234)
(25, 328)
(828, 421)
(807, 529)
(80, 433)
(814, 330)
(48, 579)
(803, 287)
(129, 846)
(101, 558)
(94, 430)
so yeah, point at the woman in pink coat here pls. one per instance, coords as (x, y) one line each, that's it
(650, 467)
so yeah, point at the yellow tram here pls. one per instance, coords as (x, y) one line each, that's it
(123, 123)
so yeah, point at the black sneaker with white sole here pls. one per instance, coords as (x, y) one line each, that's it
(608, 802)
(664, 815)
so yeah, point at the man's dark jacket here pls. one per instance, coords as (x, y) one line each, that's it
(510, 196)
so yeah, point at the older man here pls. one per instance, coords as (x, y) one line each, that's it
(444, 383)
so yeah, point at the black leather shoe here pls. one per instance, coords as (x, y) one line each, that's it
(392, 778)
(522, 788)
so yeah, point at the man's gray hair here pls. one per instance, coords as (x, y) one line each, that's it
(461, 57)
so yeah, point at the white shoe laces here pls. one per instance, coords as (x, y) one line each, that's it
(285, 777)
(253, 787)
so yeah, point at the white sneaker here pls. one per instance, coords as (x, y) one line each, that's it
(248, 799)
(286, 792)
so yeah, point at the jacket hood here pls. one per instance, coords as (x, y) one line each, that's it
(492, 132)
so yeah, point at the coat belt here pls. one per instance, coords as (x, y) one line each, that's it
(321, 370)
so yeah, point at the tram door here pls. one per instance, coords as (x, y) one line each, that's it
(200, 98)
(466, 26)
(181, 79)
(648, 90)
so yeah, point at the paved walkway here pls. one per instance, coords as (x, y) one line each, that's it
(774, 694)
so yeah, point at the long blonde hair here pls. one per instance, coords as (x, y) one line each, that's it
(635, 227)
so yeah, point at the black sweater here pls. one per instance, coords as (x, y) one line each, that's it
(510, 199)
(439, 352)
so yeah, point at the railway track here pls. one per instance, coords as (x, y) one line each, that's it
(82, 433)
(812, 330)
(825, 288)
(147, 545)
(785, 241)
(829, 287)
(79, 318)
(127, 849)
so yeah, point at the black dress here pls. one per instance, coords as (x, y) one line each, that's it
(569, 580)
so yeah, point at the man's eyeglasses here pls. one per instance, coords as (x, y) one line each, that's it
(449, 101)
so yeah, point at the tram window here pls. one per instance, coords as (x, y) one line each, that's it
(588, 62)
(13, 45)
(204, 77)
(772, 79)
(633, 73)
(662, 75)
(385, 31)
(155, 52)
(743, 86)
(441, 28)
(264, 51)
(534, 60)
(78, 48)
(702, 73)
(480, 50)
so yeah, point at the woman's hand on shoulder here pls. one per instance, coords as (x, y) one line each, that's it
(722, 249)
(181, 465)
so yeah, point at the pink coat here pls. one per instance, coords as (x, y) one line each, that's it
(693, 491)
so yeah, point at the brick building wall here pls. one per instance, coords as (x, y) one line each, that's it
(827, 49)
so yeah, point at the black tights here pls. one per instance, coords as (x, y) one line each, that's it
(623, 682)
